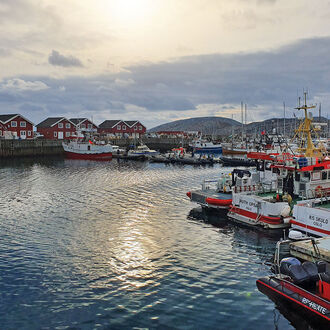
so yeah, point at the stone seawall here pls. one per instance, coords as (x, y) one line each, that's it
(160, 144)
(25, 148)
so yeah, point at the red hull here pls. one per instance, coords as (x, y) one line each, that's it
(102, 156)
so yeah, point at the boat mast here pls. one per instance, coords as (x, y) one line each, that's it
(242, 122)
(305, 129)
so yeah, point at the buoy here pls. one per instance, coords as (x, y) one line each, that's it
(189, 194)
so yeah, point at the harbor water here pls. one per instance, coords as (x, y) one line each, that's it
(118, 245)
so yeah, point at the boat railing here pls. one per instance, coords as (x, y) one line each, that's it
(206, 184)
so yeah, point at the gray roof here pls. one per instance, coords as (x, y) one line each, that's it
(76, 121)
(4, 118)
(50, 121)
(130, 123)
(109, 123)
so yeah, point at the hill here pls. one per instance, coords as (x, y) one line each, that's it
(206, 125)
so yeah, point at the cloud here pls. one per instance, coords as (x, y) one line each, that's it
(18, 85)
(55, 58)
(192, 86)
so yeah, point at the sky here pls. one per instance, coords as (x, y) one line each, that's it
(162, 60)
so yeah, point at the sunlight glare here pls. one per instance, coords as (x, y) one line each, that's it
(132, 12)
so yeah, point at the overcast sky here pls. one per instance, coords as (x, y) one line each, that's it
(162, 60)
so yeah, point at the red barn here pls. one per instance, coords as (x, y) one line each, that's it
(56, 128)
(122, 128)
(84, 124)
(15, 126)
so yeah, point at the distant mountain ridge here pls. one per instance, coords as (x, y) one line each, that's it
(206, 125)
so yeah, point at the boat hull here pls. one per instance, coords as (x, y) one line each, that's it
(208, 150)
(89, 156)
(253, 219)
(211, 199)
(312, 307)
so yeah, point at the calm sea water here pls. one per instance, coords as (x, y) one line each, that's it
(88, 245)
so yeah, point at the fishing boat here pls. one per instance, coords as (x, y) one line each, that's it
(302, 286)
(312, 216)
(142, 151)
(297, 177)
(217, 193)
(78, 149)
(201, 146)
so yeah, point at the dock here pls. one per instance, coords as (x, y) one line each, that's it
(305, 249)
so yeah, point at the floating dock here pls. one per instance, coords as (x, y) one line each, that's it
(305, 249)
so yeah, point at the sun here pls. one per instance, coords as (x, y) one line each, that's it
(132, 11)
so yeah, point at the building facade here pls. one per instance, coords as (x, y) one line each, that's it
(15, 126)
(84, 125)
(56, 128)
(122, 128)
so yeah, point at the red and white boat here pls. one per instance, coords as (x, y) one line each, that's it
(77, 149)
(271, 205)
(301, 286)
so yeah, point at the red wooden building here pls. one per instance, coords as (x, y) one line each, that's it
(56, 128)
(122, 128)
(15, 126)
(84, 124)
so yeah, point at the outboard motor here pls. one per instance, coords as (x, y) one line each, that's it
(286, 263)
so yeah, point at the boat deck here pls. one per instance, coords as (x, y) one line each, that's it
(199, 196)
(305, 250)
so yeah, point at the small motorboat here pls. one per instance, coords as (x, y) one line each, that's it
(142, 151)
(303, 286)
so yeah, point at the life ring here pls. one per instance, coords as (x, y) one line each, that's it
(318, 191)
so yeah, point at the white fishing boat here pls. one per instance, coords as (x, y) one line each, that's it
(77, 149)
(142, 151)
(297, 178)
(201, 146)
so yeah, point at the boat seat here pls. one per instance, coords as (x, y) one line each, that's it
(321, 266)
(311, 270)
(298, 274)
(286, 263)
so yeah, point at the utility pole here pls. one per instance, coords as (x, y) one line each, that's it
(284, 120)
(242, 121)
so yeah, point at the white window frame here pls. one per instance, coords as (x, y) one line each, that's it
(13, 124)
(118, 127)
(55, 134)
(29, 133)
(60, 125)
(135, 128)
(140, 128)
(83, 126)
(67, 134)
(89, 126)
(67, 125)
(21, 133)
(22, 124)
(124, 128)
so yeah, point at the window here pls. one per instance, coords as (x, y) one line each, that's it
(60, 125)
(89, 126)
(124, 128)
(14, 124)
(29, 133)
(135, 128)
(22, 124)
(140, 128)
(55, 134)
(316, 176)
(118, 127)
(23, 133)
(329, 175)
(67, 125)
(83, 126)
(324, 175)
(67, 134)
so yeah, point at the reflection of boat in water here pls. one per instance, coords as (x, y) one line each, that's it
(303, 286)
